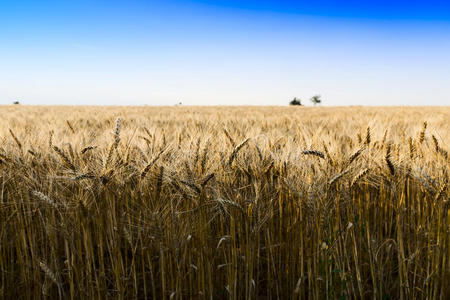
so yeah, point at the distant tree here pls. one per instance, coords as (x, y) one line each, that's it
(295, 101)
(316, 99)
(16, 102)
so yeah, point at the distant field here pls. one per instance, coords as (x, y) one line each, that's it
(224, 202)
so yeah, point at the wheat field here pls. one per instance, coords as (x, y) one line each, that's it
(224, 203)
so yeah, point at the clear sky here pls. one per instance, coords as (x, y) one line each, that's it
(225, 52)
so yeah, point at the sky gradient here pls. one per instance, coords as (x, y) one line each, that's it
(224, 52)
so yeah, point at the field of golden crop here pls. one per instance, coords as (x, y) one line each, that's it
(224, 203)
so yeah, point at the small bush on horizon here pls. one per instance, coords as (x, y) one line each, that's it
(296, 101)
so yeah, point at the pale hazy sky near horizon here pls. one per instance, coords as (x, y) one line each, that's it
(224, 52)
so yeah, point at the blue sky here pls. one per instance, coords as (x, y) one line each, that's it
(225, 52)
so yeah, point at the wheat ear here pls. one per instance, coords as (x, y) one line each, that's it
(236, 150)
(70, 126)
(117, 133)
(337, 177)
(388, 160)
(46, 199)
(441, 191)
(359, 176)
(191, 185)
(355, 155)
(64, 157)
(16, 139)
(86, 149)
(367, 142)
(314, 152)
(150, 164)
(50, 138)
(229, 137)
(110, 155)
(412, 148)
(422, 133)
(207, 179)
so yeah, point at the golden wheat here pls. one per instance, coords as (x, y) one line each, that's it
(190, 209)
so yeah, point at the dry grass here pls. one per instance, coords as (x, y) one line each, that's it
(224, 203)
